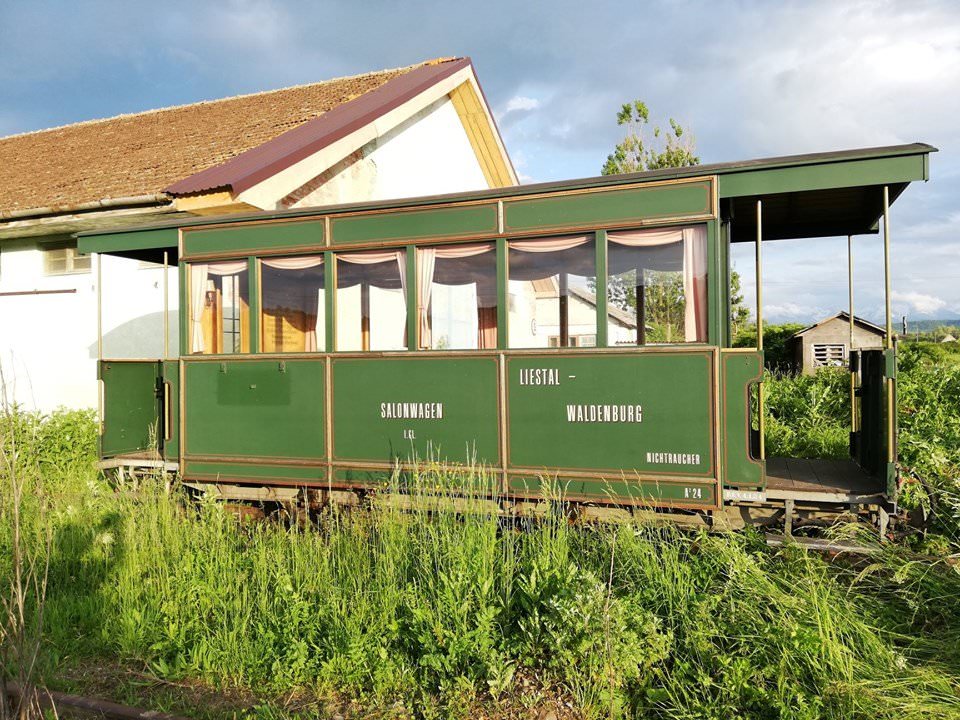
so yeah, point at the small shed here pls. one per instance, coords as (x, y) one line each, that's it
(827, 343)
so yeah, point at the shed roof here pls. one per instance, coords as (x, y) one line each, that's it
(845, 316)
(145, 153)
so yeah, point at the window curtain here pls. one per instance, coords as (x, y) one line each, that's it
(695, 282)
(199, 275)
(683, 249)
(426, 268)
(546, 257)
(311, 300)
(384, 279)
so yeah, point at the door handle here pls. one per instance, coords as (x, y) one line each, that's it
(167, 411)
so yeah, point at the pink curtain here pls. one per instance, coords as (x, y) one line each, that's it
(426, 266)
(546, 257)
(383, 279)
(426, 260)
(227, 268)
(553, 244)
(646, 238)
(198, 289)
(311, 300)
(695, 282)
(294, 263)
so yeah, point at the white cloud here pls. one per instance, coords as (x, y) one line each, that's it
(792, 312)
(517, 104)
(919, 302)
(520, 102)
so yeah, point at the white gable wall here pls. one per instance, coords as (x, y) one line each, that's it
(428, 154)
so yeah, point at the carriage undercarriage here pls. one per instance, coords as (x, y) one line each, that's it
(801, 495)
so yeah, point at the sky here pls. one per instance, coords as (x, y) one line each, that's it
(748, 79)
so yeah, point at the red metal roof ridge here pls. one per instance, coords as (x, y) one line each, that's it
(230, 98)
(257, 164)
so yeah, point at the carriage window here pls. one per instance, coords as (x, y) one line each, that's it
(457, 297)
(292, 304)
(657, 286)
(552, 303)
(371, 300)
(219, 308)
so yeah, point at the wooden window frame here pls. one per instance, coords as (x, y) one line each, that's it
(69, 259)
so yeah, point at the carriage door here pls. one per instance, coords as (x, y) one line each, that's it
(876, 449)
(132, 402)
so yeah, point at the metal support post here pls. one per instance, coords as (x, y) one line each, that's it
(166, 306)
(853, 379)
(759, 262)
(886, 264)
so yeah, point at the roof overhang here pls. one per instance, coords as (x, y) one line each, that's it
(104, 215)
(815, 195)
(821, 195)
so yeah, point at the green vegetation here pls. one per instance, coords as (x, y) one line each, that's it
(447, 614)
(776, 347)
(637, 152)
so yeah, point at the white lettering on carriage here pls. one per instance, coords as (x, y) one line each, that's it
(604, 413)
(411, 411)
(672, 458)
(539, 376)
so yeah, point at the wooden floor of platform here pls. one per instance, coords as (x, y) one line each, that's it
(818, 478)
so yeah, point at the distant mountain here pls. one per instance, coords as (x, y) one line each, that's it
(927, 325)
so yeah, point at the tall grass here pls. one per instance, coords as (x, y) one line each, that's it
(443, 611)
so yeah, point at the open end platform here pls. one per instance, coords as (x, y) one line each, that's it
(820, 480)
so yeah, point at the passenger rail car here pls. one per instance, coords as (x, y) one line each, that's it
(576, 330)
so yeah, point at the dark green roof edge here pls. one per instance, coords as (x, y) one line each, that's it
(726, 168)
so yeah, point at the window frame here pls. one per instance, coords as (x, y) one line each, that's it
(831, 356)
(69, 260)
(598, 237)
(252, 328)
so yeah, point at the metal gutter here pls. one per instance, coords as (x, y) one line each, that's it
(105, 204)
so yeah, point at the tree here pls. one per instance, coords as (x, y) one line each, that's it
(637, 152)
(739, 313)
(667, 148)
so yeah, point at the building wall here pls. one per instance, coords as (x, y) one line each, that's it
(48, 342)
(834, 332)
(48, 324)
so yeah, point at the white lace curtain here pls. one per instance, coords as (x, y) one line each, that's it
(199, 277)
(426, 272)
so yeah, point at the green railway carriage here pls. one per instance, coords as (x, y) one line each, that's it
(576, 330)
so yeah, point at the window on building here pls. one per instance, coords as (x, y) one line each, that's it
(457, 297)
(371, 300)
(219, 308)
(575, 341)
(657, 286)
(63, 259)
(829, 355)
(292, 304)
(550, 286)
